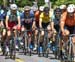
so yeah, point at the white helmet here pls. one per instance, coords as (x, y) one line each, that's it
(34, 8)
(71, 5)
(13, 7)
(62, 6)
(41, 8)
(70, 9)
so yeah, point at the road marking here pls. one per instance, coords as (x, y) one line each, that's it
(19, 60)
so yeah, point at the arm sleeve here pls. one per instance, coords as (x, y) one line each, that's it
(8, 13)
(18, 13)
(22, 16)
(1, 17)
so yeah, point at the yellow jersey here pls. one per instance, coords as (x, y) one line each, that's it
(46, 19)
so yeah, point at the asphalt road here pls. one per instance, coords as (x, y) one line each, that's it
(20, 57)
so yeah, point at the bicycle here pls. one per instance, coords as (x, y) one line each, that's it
(11, 45)
(70, 48)
(27, 48)
(68, 54)
(45, 48)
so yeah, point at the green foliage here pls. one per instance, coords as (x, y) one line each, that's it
(22, 3)
(41, 2)
(1, 2)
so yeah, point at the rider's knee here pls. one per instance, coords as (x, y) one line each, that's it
(49, 27)
(42, 33)
(4, 32)
(22, 29)
(67, 32)
(8, 33)
(36, 32)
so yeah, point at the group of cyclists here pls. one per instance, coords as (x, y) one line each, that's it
(62, 19)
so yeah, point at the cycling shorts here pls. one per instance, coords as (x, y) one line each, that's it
(71, 29)
(12, 24)
(27, 26)
(44, 25)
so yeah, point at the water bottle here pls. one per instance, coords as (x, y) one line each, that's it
(31, 46)
(41, 49)
(54, 48)
(49, 45)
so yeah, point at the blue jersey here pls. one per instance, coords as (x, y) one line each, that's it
(1, 15)
(55, 19)
(27, 19)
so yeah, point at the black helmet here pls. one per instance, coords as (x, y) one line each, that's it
(46, 9)
(57, 10)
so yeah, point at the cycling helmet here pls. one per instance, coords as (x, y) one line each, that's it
(41, 8)
(34, 8)
(27, 8)
(62, 7)
(71, 5)
(46, 9)
(13, 7)
(70, 9)
(57, 10)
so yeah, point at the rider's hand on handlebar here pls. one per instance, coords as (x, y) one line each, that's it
(65, 32)
(15, 27)
(8, 27)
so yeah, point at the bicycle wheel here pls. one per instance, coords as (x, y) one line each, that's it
(58, 42)
(12, 49)
(70, 53)
(39, 39)
(45, 44)
(24, 41)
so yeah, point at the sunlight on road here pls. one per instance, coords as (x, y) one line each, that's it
(19, 60)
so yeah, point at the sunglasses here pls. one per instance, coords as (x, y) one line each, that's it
(27, 11)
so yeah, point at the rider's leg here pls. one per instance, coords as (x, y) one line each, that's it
(35, 39)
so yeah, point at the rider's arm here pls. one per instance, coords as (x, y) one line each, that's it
(7, 18)
(40, 21)
(62, 21)
(2, 17)
(33, 19)
(18, 17)
(33, 26)
(6, 21)
(19, 24)
(52, 25)
(52, 21)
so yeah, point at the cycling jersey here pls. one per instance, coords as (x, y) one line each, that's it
(55, 19)
(27, 21)
(13, 17)
(1, 15)
(69, 21)
(37, 15)
(46, 19)
(56, 22)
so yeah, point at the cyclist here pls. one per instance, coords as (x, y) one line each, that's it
(28, 21)
(45, 22)
(56, 18)
(67, 23)
(37, 15)
(12, 21)
(67, 19)
(2, 31)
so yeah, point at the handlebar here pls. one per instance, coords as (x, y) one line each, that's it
(71, 35)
